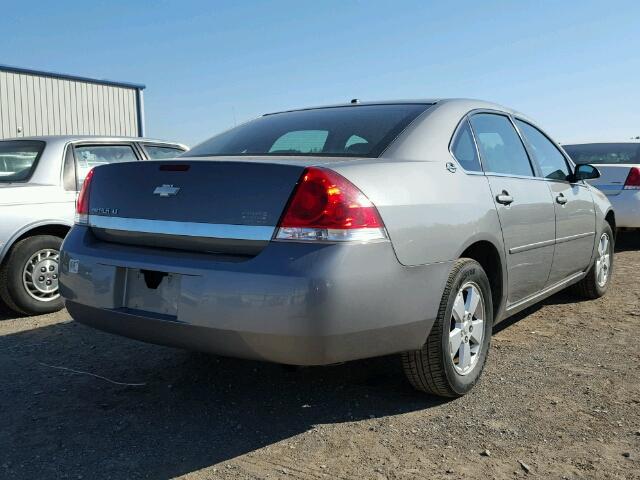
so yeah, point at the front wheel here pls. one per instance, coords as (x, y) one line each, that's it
(595, 284)
(29, 276)
(453, 357)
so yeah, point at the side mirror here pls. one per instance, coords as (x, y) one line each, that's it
(585, 172)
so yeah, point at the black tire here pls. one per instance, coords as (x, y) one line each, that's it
(12, 289)
(589, 287)
(431, 369)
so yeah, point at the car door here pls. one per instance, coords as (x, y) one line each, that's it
(574, 209)
(523, 202)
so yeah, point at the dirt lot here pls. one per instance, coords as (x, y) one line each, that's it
(560, 399)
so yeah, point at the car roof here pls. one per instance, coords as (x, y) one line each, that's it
(472, 103)
(101, 138)
(633, 141)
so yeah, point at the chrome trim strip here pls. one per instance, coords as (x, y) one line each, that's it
(187, 229)
(508, 175)
(547, 243)
(574, 237)
(531, 246)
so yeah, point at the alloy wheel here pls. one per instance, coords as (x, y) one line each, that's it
(603, 262)
(467, 328)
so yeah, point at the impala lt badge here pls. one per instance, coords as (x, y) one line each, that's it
(104, 211)
(166, 191)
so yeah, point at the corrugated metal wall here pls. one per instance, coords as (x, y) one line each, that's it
(33, 104)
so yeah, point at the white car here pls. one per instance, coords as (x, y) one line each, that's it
(39, 181)
(619, 166)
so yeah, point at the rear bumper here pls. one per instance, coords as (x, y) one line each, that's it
(279, 348)
(626, 206)
(294, 303)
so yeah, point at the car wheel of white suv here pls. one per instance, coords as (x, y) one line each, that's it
(29, 276)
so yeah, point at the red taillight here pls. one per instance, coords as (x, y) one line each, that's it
(633, 179)
(326, 206)
(82, 203)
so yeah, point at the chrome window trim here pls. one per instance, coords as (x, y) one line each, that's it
(581, 183)
(186, 229)
(508, 175)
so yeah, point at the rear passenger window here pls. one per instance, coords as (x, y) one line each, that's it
(500, 146)
(549, 158)
(156, 152)
(89, 156)
(464, 149)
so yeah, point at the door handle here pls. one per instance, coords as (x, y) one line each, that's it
(504, 198)
(561, 199)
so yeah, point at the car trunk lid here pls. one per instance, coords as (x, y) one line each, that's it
(214, 206)
(612, 178)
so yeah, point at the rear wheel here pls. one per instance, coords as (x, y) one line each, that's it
(595, 284)
(29, 276)
(453, 357)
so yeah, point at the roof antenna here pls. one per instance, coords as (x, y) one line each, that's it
(355, 101)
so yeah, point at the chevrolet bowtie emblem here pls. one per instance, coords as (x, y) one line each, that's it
(166, 191)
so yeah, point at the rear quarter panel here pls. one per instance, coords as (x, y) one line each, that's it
(602, 207)
(48, 206)
(431, 214)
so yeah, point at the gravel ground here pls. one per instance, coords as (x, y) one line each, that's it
(560, 398)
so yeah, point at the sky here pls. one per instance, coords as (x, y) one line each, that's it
(573, 66)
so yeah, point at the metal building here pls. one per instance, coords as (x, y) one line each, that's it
(45, 103)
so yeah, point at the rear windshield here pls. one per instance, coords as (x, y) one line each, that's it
(357, 131)
(18, 159)
(604, 153)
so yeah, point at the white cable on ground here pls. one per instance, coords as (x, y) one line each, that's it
(93, 375)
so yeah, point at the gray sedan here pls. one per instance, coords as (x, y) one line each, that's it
(323, 235)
